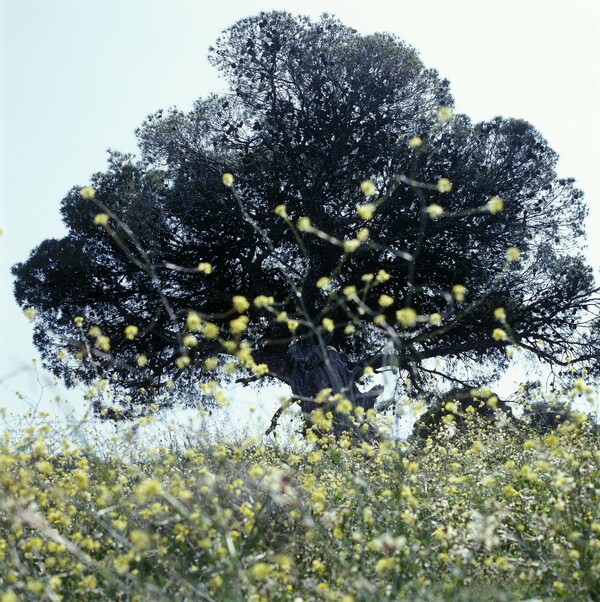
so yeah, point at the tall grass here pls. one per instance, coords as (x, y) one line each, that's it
(493, 512)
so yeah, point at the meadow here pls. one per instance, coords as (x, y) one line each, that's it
(491, 511)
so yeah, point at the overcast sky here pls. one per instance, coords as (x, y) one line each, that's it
(78, 76)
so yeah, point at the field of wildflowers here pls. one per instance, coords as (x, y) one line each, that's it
(494, 511)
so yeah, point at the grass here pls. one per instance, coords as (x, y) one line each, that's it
(493, 513)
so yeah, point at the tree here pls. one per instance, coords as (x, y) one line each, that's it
(327, 251)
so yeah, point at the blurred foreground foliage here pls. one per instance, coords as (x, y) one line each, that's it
(499, 511)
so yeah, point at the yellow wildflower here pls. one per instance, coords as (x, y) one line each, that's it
(238, 325)
(193, 321)
(434, 210)
(406, 317)
(30, 313)
(495, 205)
(190, 341)
(328, 324)
(240, 303)
(101, 219)
(366, 211)
(182, 362)
(444, 185)
(263, 301)
(385, 300)
(211, 331)
(103, 343)
(499, 335)
(281, 211)
(444, 114)
(458, 291)
(87, 193)
(351, 245)
(368, 188)
(500, 314)
(512, 254)
(131, 332)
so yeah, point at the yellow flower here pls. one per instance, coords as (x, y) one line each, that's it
(512, 254)
(121, 564)
(458, 290)
(385, 301)
(349, 291)
(318, 566)
(30, 313)
(103, 343)
(328, 324)
(227, 179)
(434, 210)
(78, 320)
(101, 219)
(435, 319)
(193, 321)
(293, 325)
(406, 317)
(190, 341)
(444, 114)
(444, 185)
(499, 335)
(415, 142)
(260, 369)
(238, 325)
(44, 467)
(140, 539)
(141, 360)
(205, 267)
(351, 245)
(382, 276)
(304, 225)
(323, 281)
(366, 211)
(344, 406)
(363, 235)
(262, 570)
(182, 362)
(368, 188)
(211, 331)
(281, 211)
(500, 314)
(211, 363)
(87, 193)
(495, 205)
(148, 489)
(80, 477)
(263, 301)
(240, 303)
(131, 332)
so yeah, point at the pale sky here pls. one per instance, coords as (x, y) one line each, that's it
(78, 76)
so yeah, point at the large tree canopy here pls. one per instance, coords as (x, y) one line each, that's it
(313, 110)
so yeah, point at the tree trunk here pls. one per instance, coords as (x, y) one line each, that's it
(315, 369)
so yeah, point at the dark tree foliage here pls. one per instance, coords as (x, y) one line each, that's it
(313, 110)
